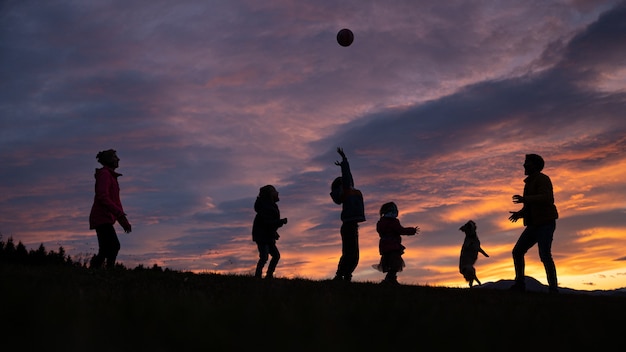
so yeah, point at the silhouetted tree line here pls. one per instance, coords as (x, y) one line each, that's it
(18, 254)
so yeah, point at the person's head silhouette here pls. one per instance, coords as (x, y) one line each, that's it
(534, 163)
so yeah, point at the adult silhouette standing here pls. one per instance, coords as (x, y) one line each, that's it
(352, 213)
(539, 214)
(107, 209)
(264, 229)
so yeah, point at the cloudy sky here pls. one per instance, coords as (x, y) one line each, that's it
(435, 104)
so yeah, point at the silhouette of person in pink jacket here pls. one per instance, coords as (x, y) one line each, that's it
(107, 209)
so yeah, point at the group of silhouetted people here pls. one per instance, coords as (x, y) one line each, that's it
(267, 222)
(538, 212)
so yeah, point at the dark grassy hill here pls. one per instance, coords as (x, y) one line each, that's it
(78, 309)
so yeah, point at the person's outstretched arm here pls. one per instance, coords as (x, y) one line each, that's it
(346, 174)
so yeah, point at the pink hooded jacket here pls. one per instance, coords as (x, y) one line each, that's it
(107, 206)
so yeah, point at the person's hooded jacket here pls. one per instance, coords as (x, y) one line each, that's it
(266, 222)
(107, 206)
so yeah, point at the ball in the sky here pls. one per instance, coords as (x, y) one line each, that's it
(345, 37)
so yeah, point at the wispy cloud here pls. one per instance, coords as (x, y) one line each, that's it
(435, 104)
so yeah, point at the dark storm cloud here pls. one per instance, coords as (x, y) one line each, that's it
(600, 46)
(526, 107)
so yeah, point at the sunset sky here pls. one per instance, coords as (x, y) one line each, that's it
(435, 104)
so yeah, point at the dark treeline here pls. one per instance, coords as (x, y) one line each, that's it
(11, 253)
(18, 254)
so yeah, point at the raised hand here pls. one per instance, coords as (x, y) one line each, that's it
(340, 151)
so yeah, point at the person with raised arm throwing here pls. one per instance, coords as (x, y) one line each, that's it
(352, 213)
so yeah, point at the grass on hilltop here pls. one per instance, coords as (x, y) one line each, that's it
(51, 301)
(73, 308)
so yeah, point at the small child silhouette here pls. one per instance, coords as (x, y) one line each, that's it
(390, 244)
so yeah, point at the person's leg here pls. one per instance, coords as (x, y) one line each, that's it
(263, 256)
(391, 277)
(545, 234)
(393, 265)
(273, 251)
(114, 249)
(343, 260)
(108, 246)
(98, 259)
(340, 265)
(527, 239)
(349, 249)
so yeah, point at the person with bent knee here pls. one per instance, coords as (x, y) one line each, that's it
(265, 227)
(539, 213)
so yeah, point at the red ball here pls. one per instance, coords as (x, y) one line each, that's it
(345, 37)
